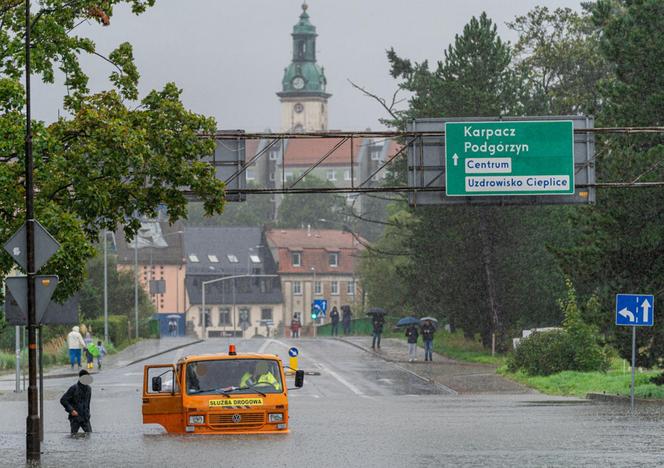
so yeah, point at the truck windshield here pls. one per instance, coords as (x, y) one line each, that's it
(239, 376)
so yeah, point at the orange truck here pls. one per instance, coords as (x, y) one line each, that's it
(219, 394)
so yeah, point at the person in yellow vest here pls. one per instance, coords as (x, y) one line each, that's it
(261, 376)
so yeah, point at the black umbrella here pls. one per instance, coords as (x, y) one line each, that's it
(376, 311)
(407, 321)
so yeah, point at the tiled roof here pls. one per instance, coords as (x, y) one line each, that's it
(306, 151)
(224, 250)
(315, 247)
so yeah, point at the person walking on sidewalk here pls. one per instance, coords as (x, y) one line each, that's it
(346, 318)
(427, 336)
(334, 317)
(412, 335)
(76, 402)
(378, 322)
(75, 344)
(295, 326)
(102, 353)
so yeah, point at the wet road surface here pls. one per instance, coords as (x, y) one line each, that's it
(361, 411)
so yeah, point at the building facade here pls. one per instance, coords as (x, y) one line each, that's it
(219, 260)
(315, 264)
(157, 251)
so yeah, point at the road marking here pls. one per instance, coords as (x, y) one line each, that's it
(341, 380)
(439, 385)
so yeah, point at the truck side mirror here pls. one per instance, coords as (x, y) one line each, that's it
(299, 378)
(156, 384)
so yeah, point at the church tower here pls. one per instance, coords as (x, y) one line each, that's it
(303, 97)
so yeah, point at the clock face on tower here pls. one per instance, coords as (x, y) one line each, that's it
(298, 82)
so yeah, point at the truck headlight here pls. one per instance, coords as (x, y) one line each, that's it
(196, 419)
(275, 417)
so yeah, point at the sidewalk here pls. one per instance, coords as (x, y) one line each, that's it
(459, 376)
(144, 349)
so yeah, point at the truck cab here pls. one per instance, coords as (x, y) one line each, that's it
(218, 394)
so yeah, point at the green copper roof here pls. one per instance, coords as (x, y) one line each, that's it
(304, 68)
(304, 26)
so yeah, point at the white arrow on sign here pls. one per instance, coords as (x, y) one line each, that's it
(646, 309)
(455, 158)
(627, 314)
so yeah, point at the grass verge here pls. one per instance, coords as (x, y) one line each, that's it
(457, 346)
(616, 381)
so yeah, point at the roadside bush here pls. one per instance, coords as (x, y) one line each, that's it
(117, 328)
(576, 347)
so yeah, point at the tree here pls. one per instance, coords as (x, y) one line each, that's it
(256, 211)
(300, 210)
(120, 291)
(559, 62)
(620, 247)
(114, 157)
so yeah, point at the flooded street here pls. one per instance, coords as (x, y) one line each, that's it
(361, 411)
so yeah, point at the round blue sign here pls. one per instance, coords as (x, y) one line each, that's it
(293, 352)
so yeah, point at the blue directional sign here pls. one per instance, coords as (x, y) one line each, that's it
(635, 309)
(321, 306)
(293, 352)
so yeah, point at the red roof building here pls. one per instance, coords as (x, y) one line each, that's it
(316, 264)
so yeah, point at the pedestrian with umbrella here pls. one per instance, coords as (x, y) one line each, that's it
(428, 329)
(378, 320)
(411, 324)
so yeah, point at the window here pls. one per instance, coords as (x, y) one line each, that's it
(251, 174)
(254, 258)
(224, 316)
(244, 317)
(272, 177)
(331, 175)
(232, 258)
(296, 259)
(193, 258)
(297, 288)
(288, 175)
(375, 156)
(334, 288)
(208, 322)
(274, 156)
(347, 174)
(266, 314)
(350, 288)
(318, 288)
(334, 259)
(213, 259)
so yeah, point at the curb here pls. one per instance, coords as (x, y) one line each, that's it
(622, 400)
(145, 358)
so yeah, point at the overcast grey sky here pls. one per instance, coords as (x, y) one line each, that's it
(229, 55)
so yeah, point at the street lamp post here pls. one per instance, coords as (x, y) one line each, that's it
(217, 280)
(313, 293)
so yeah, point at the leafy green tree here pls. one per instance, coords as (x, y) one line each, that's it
(299, 210)
(620, 249)
(120, 291)
(113, 157)
(559, 62)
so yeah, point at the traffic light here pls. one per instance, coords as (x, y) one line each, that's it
(314, 313)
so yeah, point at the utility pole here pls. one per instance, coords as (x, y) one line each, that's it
(105, 286)
(33, 444)
(136, 282)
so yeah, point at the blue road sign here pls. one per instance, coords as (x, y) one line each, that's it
(321, 306)
(635, 309)
(293, 352)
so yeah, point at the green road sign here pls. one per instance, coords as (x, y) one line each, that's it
(509, 158)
